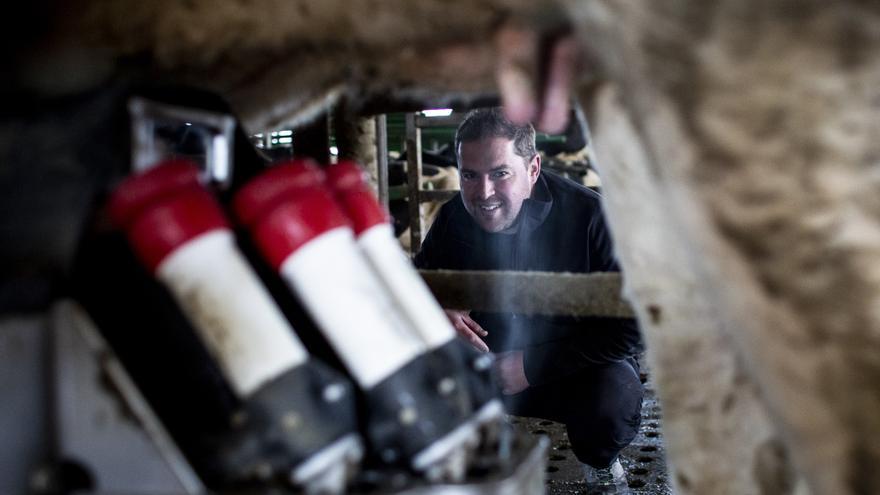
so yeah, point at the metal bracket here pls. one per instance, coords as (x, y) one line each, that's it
(103, 421)
(154, 126)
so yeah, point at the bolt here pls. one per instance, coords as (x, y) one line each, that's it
(41, 480)
(263, 471)
(482, 363)
(446, 386)
(389, 455)
(239, 418)
(333, 392)
(408, 415)
(291, 421)
(434, 473)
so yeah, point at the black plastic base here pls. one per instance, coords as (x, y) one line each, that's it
(414, 407)
(288, 420)
(474, 370)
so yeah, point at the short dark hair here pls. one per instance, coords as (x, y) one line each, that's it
(491, 123)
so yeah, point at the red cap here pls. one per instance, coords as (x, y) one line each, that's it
(164, 208)
(286, 207)
(139, 191)
(348, 182)
(273, 186)
(346, 175)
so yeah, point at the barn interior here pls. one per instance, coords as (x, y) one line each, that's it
(733, 144)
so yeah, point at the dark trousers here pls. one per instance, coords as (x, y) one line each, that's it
(600, 406)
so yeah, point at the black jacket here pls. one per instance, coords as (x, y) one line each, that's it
(559, 229)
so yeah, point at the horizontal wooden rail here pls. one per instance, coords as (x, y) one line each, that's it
(547, 293)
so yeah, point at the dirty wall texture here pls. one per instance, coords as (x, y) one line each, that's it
(711, 410)
(748, 129)
(280, 61)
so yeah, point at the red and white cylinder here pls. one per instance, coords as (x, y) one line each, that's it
(301, 231)
(375, 236)
(180, 233)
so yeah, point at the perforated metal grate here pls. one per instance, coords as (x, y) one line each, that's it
(643, 460)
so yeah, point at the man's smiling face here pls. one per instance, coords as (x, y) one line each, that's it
(495, 181)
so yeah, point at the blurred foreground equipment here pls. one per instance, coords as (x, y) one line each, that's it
(173, 366)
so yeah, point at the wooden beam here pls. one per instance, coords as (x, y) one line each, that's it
(573, 294)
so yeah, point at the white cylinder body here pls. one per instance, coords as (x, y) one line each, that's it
(351, 307)
(405, 285)
(231, 310)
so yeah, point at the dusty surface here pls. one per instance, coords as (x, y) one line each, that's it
(280, 61)
(753, 120)
(712, 408)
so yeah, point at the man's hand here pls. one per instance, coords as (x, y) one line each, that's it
(467, 328)
(511, 373)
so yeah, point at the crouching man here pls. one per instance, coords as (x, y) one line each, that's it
(510, 215)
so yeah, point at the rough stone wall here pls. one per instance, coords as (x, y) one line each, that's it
(757, 124)
(710, 403)
(278, 61)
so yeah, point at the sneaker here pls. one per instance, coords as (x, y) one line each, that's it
(608, 480)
